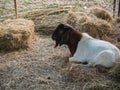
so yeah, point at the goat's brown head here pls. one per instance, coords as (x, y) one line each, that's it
(61, 34)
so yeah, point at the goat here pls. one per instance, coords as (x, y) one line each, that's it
(85, 49)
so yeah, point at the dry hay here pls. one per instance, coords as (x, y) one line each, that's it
(100, 13)
(117, 20)
(16, 34)
(114, 37)
(115, 72)
(47, 19)
(75, 19)
(94, 26)
(74, 73)
(116, 26)
(97, 28)
(92, 78)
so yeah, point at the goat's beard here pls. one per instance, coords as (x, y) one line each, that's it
(58, 43)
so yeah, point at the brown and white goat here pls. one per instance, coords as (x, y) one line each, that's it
(85, 48)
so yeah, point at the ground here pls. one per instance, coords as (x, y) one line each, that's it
(35, 66)
(43, 67)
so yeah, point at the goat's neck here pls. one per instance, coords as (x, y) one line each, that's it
(75, 37)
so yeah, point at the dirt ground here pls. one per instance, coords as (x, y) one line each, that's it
(43, 67)
(31, 69)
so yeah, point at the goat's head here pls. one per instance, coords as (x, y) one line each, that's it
(61, 34)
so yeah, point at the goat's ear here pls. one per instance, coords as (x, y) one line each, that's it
(66, 26)
(64, 38)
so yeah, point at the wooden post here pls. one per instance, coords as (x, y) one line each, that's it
(16, 9)
(114, 6)
(119, 9)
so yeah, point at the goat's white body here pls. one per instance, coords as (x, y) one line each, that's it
(95, 52)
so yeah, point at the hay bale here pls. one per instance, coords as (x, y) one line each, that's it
(75, 19)
(97, 28)
(16, 34)
(100, 13)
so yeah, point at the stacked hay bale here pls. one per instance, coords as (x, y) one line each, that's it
(96, 22)
(16, 34)
(110, 28)
(100, 13)
(75, 19)
(97, 28)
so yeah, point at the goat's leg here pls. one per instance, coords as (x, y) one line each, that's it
(105, 58)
